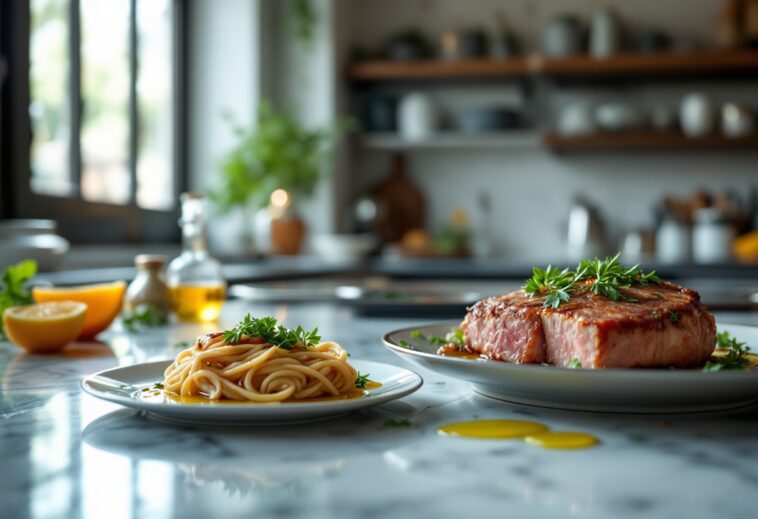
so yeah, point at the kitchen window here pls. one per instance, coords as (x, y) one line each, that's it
(105, 118)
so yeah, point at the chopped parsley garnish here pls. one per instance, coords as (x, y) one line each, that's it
(395, 422)
(736, 355)
(433, 339)
(574, 364)
(144, 315)
(655, 313)
(268, 329)
(362, 380)
(674, 317)
(454, 337)
(181, 344)
(158, 385)
(604, 277)
(405, 344)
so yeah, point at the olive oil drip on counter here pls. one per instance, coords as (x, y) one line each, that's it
(534, 433)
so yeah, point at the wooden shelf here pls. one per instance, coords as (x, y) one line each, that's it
(522, 139)
(434, 69)
(645, 141)
(452, 140)
(743, 62)
(669, 64)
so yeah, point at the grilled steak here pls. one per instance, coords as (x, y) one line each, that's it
(667, 326)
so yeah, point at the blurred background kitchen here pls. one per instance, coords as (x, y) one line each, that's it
(394, 139)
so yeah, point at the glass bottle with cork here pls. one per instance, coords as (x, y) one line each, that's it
(196, 284)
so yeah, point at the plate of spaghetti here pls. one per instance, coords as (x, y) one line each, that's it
(259, 372)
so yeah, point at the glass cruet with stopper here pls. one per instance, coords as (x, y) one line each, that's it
(196, 284)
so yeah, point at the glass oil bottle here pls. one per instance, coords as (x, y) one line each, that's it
(196, 284)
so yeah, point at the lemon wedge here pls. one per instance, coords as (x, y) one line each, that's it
(44, 327)
(103, 301)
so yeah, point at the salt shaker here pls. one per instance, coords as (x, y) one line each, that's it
(149, 286)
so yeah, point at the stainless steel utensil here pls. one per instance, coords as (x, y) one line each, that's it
(586, 234)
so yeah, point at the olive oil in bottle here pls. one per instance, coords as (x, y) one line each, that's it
(197, 302)
(196, 284)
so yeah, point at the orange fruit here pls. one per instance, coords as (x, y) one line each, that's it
(44, 327)
(103, 302)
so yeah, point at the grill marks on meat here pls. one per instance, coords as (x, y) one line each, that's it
(667, 326)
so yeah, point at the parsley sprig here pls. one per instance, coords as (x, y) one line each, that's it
(605, 277)
(13, 289)
(736, 355)
(454, 337)
(268, 329)
(362, 380)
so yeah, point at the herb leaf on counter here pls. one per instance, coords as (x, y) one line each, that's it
(14, 291)
(273, 333)
(605, 277)
(144, 315)
(736, 355)
(398, 422)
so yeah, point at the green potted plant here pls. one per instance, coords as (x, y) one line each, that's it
(277, 153)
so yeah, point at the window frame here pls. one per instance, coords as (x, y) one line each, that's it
(79, 220)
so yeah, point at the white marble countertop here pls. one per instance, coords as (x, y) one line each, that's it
(66, 454)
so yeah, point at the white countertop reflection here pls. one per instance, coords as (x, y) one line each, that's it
(67, 454)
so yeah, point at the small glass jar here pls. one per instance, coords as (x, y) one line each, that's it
(149, 286)
(196, 284)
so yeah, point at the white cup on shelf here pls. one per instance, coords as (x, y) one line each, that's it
(418, 117)
(697, 115)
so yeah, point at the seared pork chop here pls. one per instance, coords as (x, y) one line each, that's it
(666, 326)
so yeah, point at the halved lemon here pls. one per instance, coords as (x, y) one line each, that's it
(103, 301)
(44, 327)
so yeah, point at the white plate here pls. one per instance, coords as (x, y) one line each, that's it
(605, 390)
(122, 385)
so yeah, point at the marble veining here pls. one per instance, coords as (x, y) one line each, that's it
(66, 454)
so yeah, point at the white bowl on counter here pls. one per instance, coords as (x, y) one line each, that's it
(31, 239)
(343, 247)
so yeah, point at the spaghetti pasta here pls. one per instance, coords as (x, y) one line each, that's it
(237, 366)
